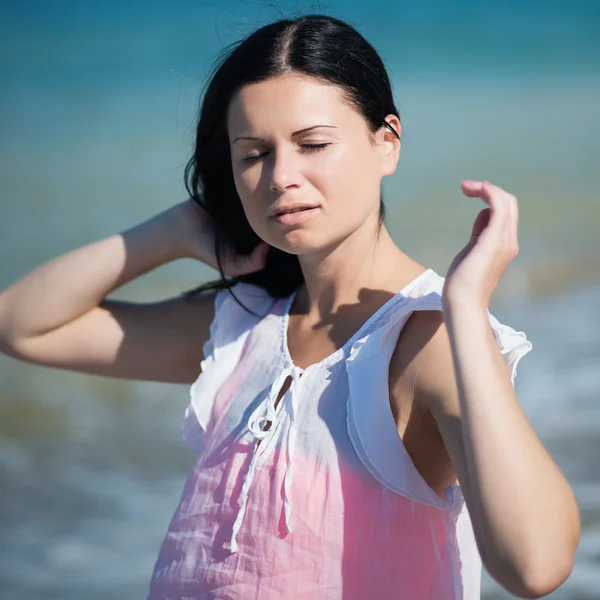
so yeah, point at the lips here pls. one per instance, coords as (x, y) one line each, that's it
(295, 215)
(292, 208)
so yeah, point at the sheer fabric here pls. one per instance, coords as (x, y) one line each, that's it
(326, 503)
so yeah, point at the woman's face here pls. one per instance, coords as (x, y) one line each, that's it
(297, 145)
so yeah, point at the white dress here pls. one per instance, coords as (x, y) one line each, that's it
(329, 506)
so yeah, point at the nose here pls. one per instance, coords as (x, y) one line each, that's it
(285, 173)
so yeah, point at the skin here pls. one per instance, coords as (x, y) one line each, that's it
(450, 390)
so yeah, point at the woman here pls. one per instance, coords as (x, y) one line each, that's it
(345, 390)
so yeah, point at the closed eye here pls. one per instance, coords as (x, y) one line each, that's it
(306, 148)
(314, 147)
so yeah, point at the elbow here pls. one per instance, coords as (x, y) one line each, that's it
(10, 342)
(5, 341)
(538, 581)
(10, 347)
(542, 564)
(553, 567)
(545, 581)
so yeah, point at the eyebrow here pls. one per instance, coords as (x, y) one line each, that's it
(300, 131)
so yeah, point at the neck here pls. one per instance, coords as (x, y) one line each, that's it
(366, 261)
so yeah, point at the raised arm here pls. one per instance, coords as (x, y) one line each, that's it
(524, 514)
(58, 314)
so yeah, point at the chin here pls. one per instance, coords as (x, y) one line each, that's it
(302, 242)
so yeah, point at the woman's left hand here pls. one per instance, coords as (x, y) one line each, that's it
(478, 267)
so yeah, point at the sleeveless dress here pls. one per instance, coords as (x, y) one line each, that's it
(326, 503)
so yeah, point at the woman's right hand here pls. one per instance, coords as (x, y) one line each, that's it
(199, 242)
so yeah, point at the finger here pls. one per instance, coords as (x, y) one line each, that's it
(481, 222)
(505, 207)
(513, 228)
(259, 254)
(501, 226)
(495, 197)
(255, 261)
(473, 189)
(491, 224)
(480, 189)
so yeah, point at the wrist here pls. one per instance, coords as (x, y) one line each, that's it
(160, 238)
(194, 230)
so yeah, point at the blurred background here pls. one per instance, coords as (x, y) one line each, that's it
(96, 124)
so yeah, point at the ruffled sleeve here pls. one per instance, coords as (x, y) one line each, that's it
(228, 332)
(370, 421)
(513, 345)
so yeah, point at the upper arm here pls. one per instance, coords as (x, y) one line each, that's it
(431, 372)
(423, 359)
(160, 341)
(421, 368)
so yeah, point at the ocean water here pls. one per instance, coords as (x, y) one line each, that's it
(96, 121)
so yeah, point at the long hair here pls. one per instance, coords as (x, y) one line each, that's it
(318, 46)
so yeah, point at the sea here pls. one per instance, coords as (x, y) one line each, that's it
(97, 113)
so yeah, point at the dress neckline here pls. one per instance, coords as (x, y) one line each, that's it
(330, 358)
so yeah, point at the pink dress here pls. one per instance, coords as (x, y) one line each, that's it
(329, 505)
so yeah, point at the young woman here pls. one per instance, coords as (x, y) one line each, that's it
(357, 431)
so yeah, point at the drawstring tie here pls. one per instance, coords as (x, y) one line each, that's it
(264, 414)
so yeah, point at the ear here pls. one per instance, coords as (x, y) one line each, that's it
(389, 145)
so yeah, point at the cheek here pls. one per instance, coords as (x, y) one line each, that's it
(351, 182)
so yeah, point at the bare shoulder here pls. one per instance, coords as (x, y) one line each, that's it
(423, 355)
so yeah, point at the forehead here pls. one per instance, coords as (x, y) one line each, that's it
(288, 102)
